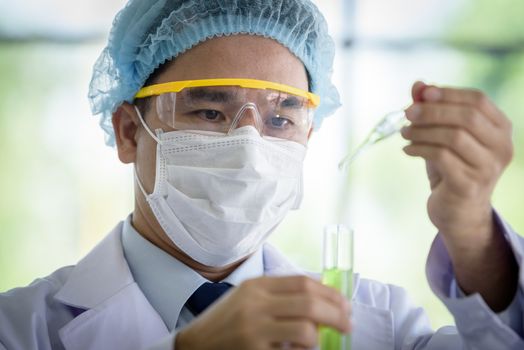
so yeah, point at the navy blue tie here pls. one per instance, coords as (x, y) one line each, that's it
(206, 295)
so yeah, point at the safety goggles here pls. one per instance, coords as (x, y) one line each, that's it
(222, 105)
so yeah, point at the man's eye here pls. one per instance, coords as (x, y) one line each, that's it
(209, 115)
(280, 122)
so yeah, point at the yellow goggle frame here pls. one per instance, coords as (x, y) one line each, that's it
(177, 86)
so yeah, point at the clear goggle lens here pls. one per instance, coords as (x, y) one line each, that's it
(224, 108)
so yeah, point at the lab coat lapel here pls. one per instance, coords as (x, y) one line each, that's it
(372, 327)
(117, 314)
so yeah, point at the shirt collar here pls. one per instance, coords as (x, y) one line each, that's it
(166, 282)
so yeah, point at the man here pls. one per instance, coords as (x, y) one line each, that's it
(214, 103)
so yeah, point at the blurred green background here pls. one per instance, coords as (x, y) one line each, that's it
(63, 189)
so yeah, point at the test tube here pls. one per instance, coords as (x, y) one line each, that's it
(337, 273)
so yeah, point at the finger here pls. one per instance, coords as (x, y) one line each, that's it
(288, 333)
(471, 97)
(457, 140)
(468, 118)
(318, 310)
(305, 285)
(416, 91)
(449, 166)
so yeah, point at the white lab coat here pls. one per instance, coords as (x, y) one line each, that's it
(47, 314)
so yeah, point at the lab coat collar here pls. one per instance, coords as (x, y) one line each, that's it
(99, 275)
(117, 315)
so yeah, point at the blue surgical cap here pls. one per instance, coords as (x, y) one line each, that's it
(147, 33)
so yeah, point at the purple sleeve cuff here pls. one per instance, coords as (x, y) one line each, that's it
(476, 322)
(511, 316)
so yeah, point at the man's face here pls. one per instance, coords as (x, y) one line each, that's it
(239, 56)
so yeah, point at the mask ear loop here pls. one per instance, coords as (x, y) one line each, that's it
(139, 182)
(137, 178)
(147, 127)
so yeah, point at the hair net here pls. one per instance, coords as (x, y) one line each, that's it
(147, 33)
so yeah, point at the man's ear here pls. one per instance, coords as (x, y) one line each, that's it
(126, 124)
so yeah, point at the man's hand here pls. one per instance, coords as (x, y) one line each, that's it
(466, 142)
(268, 313)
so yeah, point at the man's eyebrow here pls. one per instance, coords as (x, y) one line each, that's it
(211, 95)
(292, 101)
(287, 100)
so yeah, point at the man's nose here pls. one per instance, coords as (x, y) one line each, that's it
(249, 117)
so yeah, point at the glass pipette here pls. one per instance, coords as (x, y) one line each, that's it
(388, 126)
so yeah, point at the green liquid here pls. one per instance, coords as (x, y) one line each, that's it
(342, 280)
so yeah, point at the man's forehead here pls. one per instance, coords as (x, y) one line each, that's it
(234, 57)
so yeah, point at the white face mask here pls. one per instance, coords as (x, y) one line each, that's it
(219, 197)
